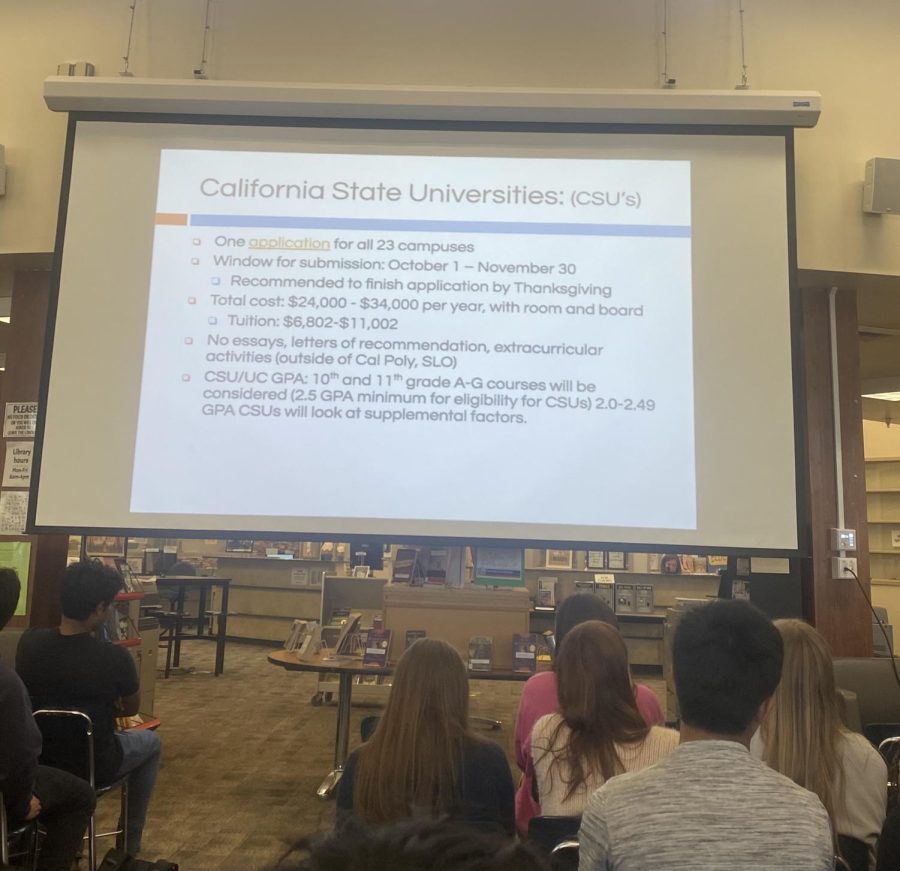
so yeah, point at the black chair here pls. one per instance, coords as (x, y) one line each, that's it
(548, 832)
(69, 743)
(564, 856)
(20, 842)
(854, 852)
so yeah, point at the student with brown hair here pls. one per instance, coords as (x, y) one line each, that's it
(539, 697)
(423, 761)
(804, 738)
(599, 731)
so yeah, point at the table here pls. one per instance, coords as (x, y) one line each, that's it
(182, 584)
(346, 670)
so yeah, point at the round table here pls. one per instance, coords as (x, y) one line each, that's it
(346, 669)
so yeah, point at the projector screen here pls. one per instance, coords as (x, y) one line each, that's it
(509, 335)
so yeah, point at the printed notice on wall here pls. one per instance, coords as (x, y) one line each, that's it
(20, 420)
(13, 512)
(17, 468)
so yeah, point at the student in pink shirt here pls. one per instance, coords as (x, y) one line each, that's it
(539, 698)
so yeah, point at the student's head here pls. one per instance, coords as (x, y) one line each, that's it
(802, 728)
(412, 760)
(9, 594)
(596, 700)
(727, 660)
(422, 845)
(579, 608)
(88, 589)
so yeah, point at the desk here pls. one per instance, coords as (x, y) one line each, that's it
(181, 584)
(346, 670)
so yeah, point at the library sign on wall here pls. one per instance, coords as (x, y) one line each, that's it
(20, 420)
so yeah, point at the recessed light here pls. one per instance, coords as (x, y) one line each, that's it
(5, 320)
(890, 397)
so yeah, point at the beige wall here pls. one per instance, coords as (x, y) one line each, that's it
(846, 51)
(880, 440)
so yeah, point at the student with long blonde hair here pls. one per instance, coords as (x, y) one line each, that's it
(599, 731)
(804, 738)
(423, 760)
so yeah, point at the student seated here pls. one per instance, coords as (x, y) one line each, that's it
(62, 803)
(599, 731)
(69, 668)
(539, 697)
(423, 760)
(709, 805)
(804, 738)
(421, 845)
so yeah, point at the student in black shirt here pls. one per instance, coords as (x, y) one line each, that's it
(62, 802)
(69, 668)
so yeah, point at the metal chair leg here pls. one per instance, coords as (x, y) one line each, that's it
(122, 838)
(92, 843)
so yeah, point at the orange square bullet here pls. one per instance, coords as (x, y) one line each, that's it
(189, 341)
(192, 300)
(195, 261)
(197, 241)
(185, 377)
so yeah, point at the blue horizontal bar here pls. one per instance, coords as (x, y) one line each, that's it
(415, 226)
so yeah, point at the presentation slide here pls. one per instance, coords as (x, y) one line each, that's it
(484, 327)
(516, 336)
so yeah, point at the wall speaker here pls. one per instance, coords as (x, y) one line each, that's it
(881, 192)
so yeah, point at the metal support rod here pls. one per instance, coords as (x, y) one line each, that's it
(200, 72)
(666, 81)
(127, 55)
(745, 79)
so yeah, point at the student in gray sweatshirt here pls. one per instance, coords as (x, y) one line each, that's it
(709, 805)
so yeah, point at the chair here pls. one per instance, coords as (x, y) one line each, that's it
(546, 833)
(564, 856)
(24, 833)
(877, 696)
(855, 853)
(67, 728)
(889, 748)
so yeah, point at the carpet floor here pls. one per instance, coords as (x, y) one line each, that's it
(243, 754)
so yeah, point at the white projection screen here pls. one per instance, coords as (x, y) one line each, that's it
(521, 334)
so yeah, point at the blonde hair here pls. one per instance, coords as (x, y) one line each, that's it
(411, 765)
(803, 727)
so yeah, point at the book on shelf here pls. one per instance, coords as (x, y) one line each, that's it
(344, 643)
(525, 653)
(413, 635)
(376, 650)
(292, 642)
(481, 652)
(546, 594)
(404, 565)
